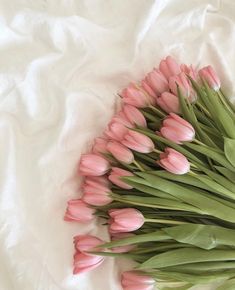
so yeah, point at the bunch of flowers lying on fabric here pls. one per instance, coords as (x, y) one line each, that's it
(163, 177)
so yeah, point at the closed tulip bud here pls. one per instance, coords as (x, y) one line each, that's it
(138, 142)
(174, 162)
(177, 129)
(93, 165)
(125, 220)
(120, 152)
(169, 67)
(157, 81)
(78, 210)
(96, 191)
(84, 243)
(189, 71)
(99, 146)
(136, 280)
(148, 90)
(134, 116)
(120, 236)
(136, 97)
(116, 130)
(184, 85)
(210, 76)
(169, 102)
(116, 175)
(84, 263)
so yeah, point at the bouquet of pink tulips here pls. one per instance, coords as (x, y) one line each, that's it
(162, 177)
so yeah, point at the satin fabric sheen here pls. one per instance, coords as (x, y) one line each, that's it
(62, 63)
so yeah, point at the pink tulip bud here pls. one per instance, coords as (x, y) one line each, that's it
(120, 236)
(148, 89)
(120, 152)
(157, 81)
(134, 116)
(99, 145)
(138, 142)
(184, 85)
(174, 162)
(115, 177)
(169, 102)
(136, 97)
(169, 67)
(96, 192)
(189, 71)
(116, 130)
(177, 129)
(93, 165)
(125, 220)
(136, 280)
(210, 76)
(78, 210)
(84, 243)
(85, 263)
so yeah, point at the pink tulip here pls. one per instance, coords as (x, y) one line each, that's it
(177, 129)
(120, 152)
(174, 162)
(189, 71)
(116, 130)
(169, 67)
(148, 89)
(115, 177)
(134, 116)
(169, 102)
(138, 142)
(210, 76)
(96, 192)
(99, 145)
(157, 81)
(184, 85)
(136, 280)
(85, 263)
(84, 243)
(120, 236)
(125, 220)
(93, 165)
(136, 97)
(78, 210)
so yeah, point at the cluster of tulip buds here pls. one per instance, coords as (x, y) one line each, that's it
(121, 141)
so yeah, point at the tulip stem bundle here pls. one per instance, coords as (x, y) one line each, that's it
(162, 180)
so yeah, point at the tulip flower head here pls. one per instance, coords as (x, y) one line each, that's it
(120, 152)
(78, 210)
(169, 102)
(157, 81)
(174, 162)
(93, 165)
(177, 129)
(210, 76)
(136, 280)
(115, 177)
(138, 142)
(99, 145)
(83, 261)
(125, 220)
(96, 191)
(169, 67)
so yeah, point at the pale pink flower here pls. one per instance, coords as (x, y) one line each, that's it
(189, 71)
(169, 102)
(136, 280)
(78, 210)
(157, 81)
(169, 67)
(99, 145)
(134, 116)
(210, 76)
(115, 177)
(138, 142)
(93, 165)
(120, 152)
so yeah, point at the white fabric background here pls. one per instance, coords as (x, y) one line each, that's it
(61, 64)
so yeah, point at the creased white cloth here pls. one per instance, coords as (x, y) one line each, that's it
(62, 63)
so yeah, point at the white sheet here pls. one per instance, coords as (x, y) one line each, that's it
(61, 65)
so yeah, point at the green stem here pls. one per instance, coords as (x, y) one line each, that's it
(204, 109)
(162, 221)
(157, 151)
(198, 142)
(225, 102)
(157, 111)
(138, 166)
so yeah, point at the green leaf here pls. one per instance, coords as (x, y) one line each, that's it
(158, 235)
(202, 236)
(229, 150)
(197, 198)
(186, 256)
(228, 285)
(226, 172)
